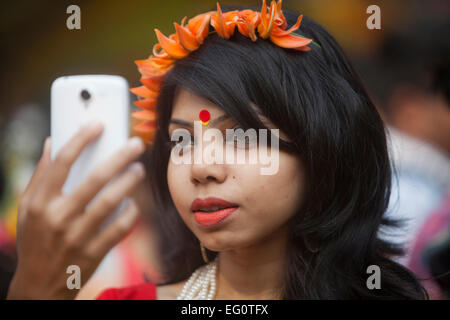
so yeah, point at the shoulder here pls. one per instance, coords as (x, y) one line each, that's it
(144, 291)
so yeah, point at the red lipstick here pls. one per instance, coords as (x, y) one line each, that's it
(211, 211)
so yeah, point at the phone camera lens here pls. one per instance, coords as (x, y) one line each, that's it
(85, 94)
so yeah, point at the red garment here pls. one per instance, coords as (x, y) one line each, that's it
(144, 291)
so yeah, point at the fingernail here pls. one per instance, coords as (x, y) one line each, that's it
(93, 125)
(135, 143)
(46, 145)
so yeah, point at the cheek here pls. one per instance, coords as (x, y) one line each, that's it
(171, 178)
(177, 180)
(276, 197)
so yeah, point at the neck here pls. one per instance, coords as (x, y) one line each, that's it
(254, 272)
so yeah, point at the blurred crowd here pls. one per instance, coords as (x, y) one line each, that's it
(405, 66)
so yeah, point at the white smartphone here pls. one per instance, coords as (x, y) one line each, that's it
(75, 100)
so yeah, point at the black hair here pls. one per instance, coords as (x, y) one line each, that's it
(317, 99)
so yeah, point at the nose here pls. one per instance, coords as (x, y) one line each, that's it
(203, 172)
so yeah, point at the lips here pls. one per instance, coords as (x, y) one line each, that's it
(209, 204)
(211, 211)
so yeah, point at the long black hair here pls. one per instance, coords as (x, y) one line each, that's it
(318, 101)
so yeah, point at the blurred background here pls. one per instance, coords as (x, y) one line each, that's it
(405, 66)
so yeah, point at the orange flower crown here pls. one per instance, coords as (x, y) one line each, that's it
(269, 23)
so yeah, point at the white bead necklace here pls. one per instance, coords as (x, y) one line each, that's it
(201, 284)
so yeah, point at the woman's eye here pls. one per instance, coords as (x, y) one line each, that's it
(239, 136)
(182, 143)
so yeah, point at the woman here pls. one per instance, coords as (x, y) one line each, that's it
(309, 231)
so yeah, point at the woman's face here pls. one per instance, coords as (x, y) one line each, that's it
(265, 203)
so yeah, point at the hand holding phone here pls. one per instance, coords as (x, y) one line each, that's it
(56, 231)
(57, 228)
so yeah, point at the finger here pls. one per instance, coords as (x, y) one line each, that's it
(35, 181)
(104, 173)
(40, 169)
(108, 200)
(68, 154)
(114, 232)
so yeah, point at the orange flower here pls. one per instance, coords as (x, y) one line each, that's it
(145, 130)
(270, 24)
(267, 19)
(144, 115)
(150, 68)
(285, 39)
(247, 20)
(273, 25)
(152, 83)
(224, 23)
(192, 35)
(144, 92)
(280, 20)
(171, 45)
(199, 26)
(147, 104)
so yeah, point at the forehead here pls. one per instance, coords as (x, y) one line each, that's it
(188, 105)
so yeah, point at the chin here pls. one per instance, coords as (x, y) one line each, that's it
(218, 244)
(213, 244)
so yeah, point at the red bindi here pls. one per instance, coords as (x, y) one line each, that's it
(204, 115)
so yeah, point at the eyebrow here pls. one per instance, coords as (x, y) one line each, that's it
(189, 124)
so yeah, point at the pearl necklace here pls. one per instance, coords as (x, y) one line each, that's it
(201, 284)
